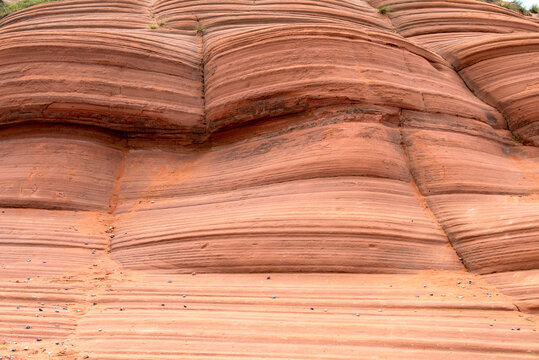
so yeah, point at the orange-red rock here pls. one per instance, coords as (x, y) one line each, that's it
(192, 179)
(495, 51)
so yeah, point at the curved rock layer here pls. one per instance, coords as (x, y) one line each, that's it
(90, 15)
(482, 187)
(496, 51)
(134, 81)
(237, 16)
(140, 140)
(317, 211)
(318, 126)
(286, 70)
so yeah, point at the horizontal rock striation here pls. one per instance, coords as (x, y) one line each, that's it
(246, 142)
(288, 316)
(315, 211)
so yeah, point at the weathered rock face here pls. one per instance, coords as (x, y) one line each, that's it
(145, 140)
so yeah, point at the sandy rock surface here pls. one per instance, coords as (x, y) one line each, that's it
(268, 179)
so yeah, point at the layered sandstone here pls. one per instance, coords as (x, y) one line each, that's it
(268, 148)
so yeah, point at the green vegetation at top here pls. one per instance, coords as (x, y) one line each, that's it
(8, 9)
(514, 5)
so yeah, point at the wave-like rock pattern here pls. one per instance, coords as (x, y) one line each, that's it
(79, 14)
(413, 18)
(285, 70)
(481, 185)
(134, 81)
(496, 51)
(245, 15)
(300, 137)
(315, 211)
(453, 155)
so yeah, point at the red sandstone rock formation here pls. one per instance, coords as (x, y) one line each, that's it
(344, 184)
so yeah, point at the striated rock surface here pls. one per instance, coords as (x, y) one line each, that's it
(269, 179)
(494, 50)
